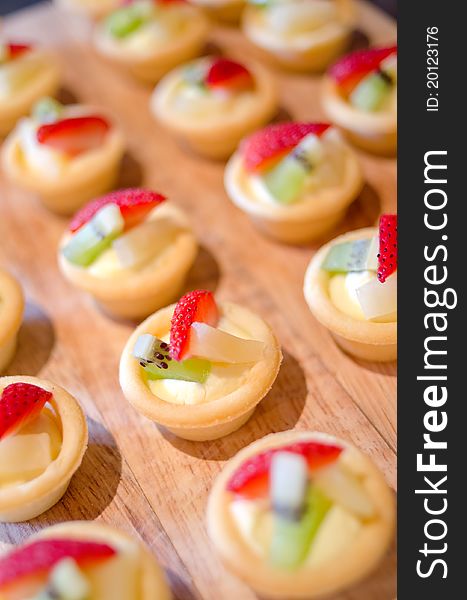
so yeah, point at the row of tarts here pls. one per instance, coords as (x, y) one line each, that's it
(294, 515)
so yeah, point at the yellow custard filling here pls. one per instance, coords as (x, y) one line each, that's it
(26, 454)
(223, 378)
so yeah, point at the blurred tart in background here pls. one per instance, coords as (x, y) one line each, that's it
(222, 10)
(11, 315)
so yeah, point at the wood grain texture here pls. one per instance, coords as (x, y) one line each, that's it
(134, 476)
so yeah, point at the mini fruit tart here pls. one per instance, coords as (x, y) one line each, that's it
(151, 37)
(198, 368)
(294, 180)
(301, 35)
(130, 250)
(212, 103)
(360, 96)
(94, 9)
(300, 514)
(222, 10)
(11, 315)
(81, 561)
(65, 154)
(43, 437)
(26, 74)
(351, 288)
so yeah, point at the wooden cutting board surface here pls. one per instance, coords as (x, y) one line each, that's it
(134, 476)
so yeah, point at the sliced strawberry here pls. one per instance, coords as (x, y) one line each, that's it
(195, 307)
(348, 71)
(251, 479)
(228, 74)
(39, 557)
(270, 143)
(16, 50)
(74, 135)
(387, 257)
(134, 203)
(20, 403)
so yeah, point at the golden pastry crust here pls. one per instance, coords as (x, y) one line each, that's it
(28, 500)
(304, 221)
(216, 136)
(212, 419)
(366, 340)
(323, 47)
(372, 131)
(95, 9)
(151, 66)
(223, 10)
(153, 582)
(45, 83)
(139, 293)
(11, 315)
(86, 176)
(308, 581)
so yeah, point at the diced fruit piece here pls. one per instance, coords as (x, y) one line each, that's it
(287, 179)
(335, 536)
(252, 477)
(228, 74)
(347, 257)
(289, 484)
(66, 582)
(219, 346)
(292, 540)
(255, 523)
(12, 51)
(372, 91)
(346, 490)
(153, 355)
(387, 257)
(378, 300)
(348, 71)
(20, 403)
(198, 306)
(267, 145)
(23, 457)
(134, 203)
(47, 110)
(95, 237)
(42, 555)
(144, 242)
(128, 19)
(74, 135)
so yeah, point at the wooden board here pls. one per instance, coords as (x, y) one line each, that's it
(133, 476)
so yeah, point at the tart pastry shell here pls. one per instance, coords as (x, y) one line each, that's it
(304, 221)
(228, 11)
(28, 500)
(137, 294)
(216, 138)
(95, 9)
(373, 132)
(153, 583)
(308, 581)
(45, 83)
(151, 66)
(324, 46)
(365, 340)
(96, 174)
(11, 315)
(208, 420)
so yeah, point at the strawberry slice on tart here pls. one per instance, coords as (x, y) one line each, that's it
(227, 74)
(74, 135)
(20, 403)
(11, 51)
(387, 256)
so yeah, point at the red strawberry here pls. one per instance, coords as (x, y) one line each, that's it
(134, 203)
(251, 479)
(352, 68)
(74, 135)
(272, 142)
(16, 50)
(39, 557)
(19, 404)
(195, 307)
(387, 257)
(228, 74)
